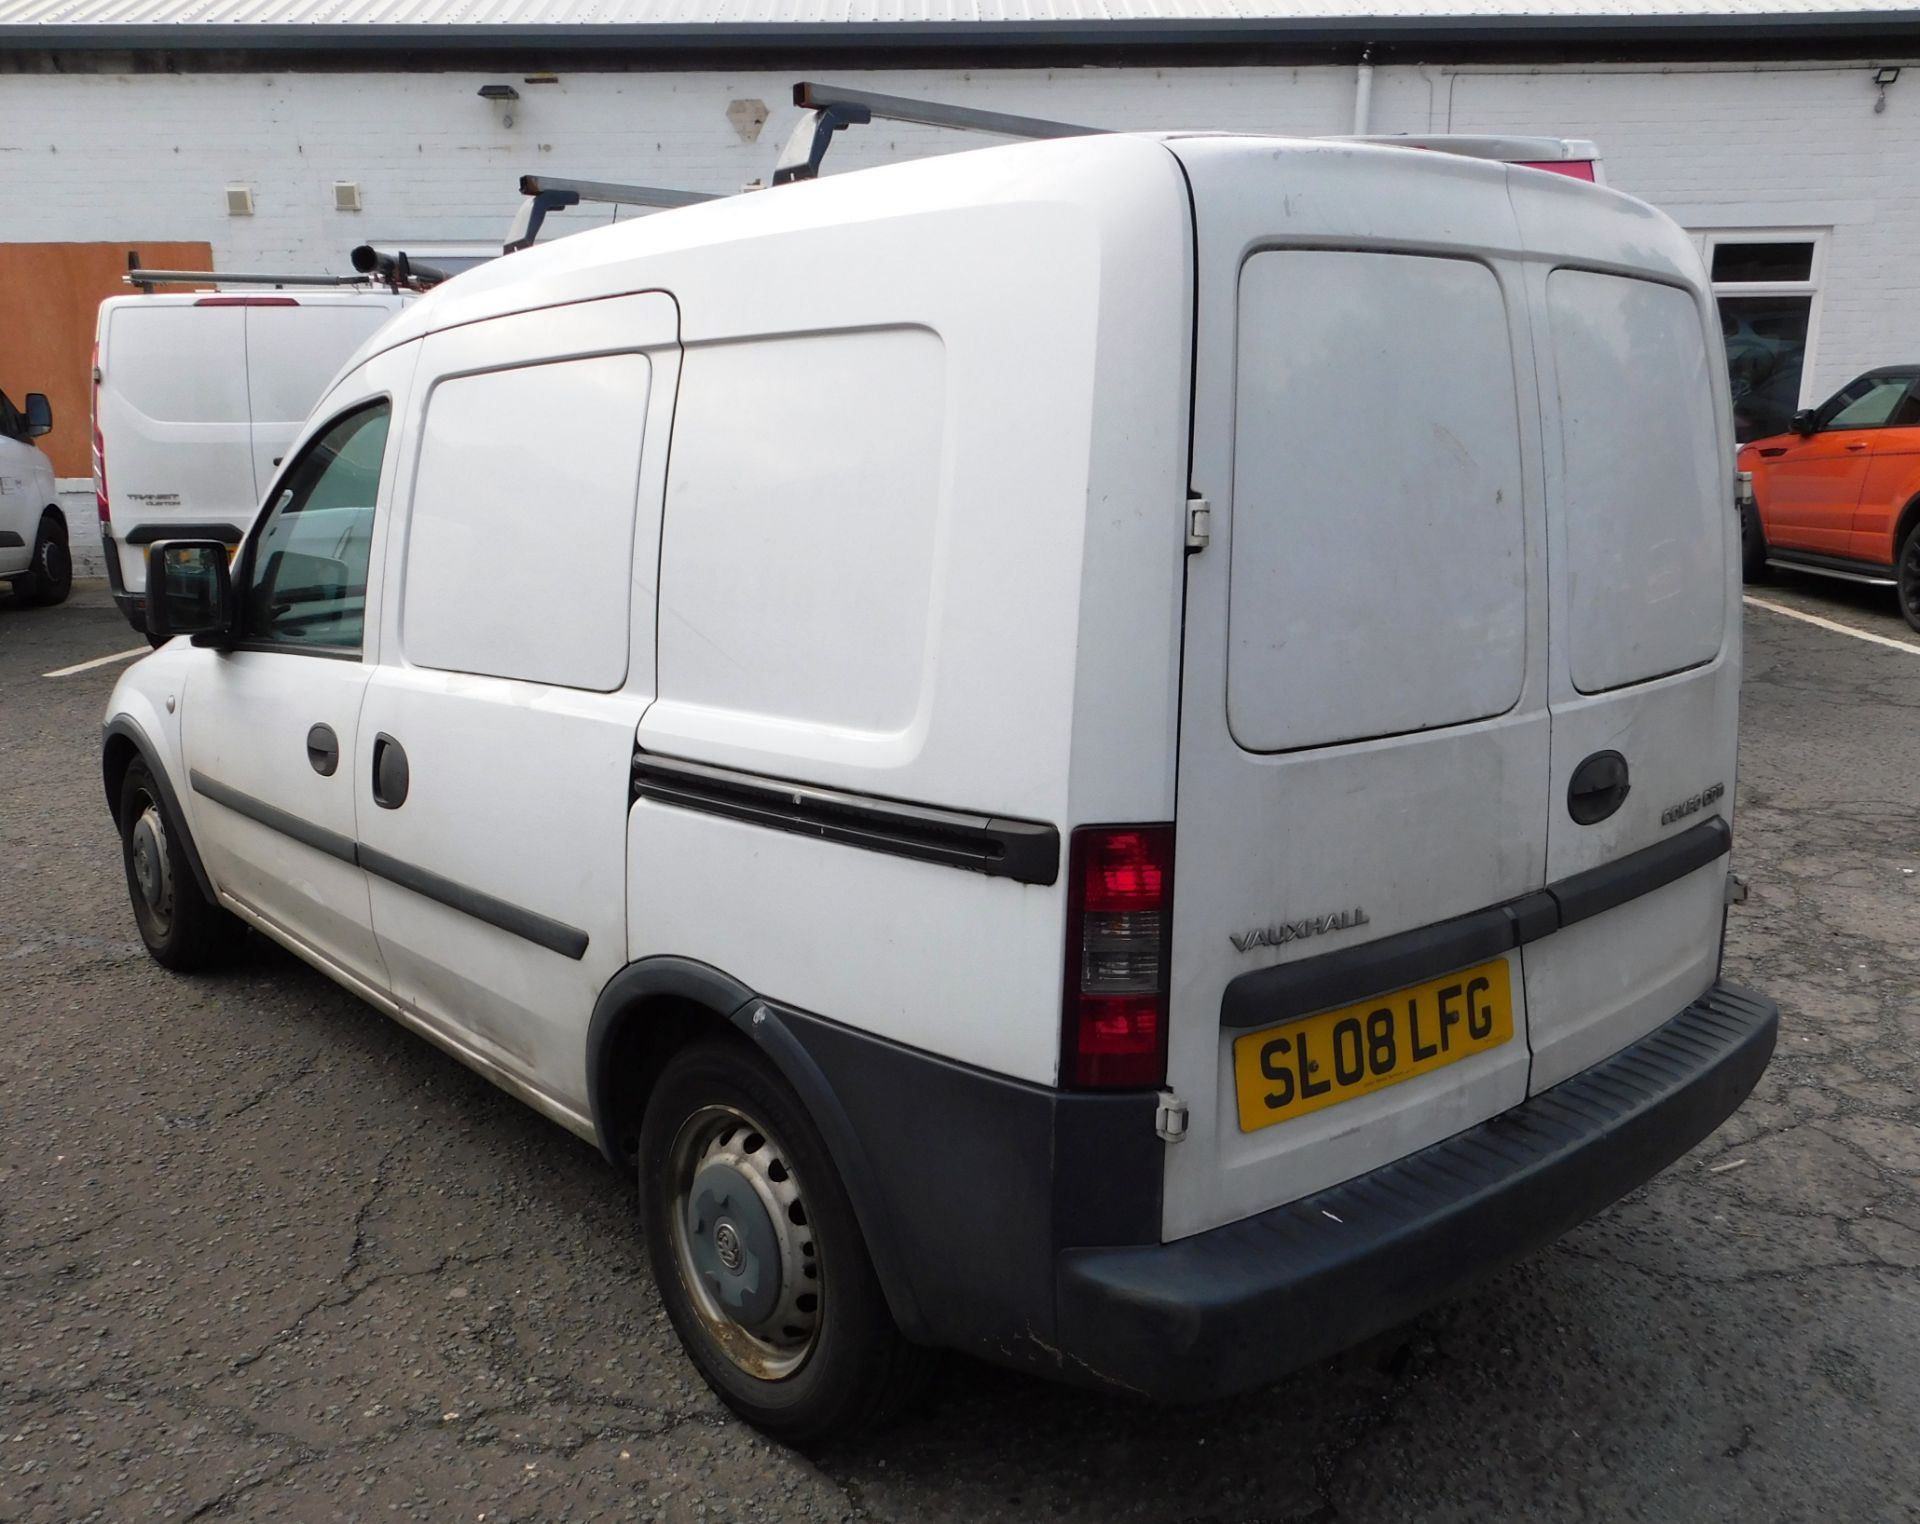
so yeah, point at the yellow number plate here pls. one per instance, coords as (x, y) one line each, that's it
(1288, 1071)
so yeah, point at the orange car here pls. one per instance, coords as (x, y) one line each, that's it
(1840, 495)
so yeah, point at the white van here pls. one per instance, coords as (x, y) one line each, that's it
(34, 560)
(1144, 790)
(196, 397)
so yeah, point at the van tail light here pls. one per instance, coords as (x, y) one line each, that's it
(1119, 933)
(99, 451)
(248, 301)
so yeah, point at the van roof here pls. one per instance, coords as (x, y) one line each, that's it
(1095, 172)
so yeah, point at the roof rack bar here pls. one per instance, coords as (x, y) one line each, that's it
(899, 108)
(145, 278)
(549, 193)
(830, 108)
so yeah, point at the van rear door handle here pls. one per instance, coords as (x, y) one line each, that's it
(390, 774)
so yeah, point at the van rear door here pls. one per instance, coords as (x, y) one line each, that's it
(173, 418)
(1643, 552)
(296, 345)
(1363, 756)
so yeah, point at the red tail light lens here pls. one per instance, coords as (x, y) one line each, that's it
(1119, 926)
(99, 451)
(248, 301)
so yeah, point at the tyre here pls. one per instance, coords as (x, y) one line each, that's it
(1753, 545)
(757, 1254)
(182, 928)
(1906, 576)
(51, 576)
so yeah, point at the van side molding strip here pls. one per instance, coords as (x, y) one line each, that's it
(1263, 996)
(541, 930)
(1023, 850)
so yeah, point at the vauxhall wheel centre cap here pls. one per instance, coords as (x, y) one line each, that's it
(733, 1245)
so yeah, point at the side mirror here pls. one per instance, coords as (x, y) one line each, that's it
(189, 589)
(39, 415)
(1803, 421)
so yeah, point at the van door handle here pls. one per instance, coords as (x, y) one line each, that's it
(390, 775)
(1775, 450)
(1598, 787)
(1856, 444)
(323, 750)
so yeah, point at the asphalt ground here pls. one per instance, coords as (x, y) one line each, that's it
(263, 1254)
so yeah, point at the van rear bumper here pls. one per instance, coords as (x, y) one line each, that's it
(1229, 1309)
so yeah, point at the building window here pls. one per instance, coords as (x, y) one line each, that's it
(1767, 284)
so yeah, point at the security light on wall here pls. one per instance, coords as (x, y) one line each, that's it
(346, 196)
(1883, 78)
(502, 96)
(239, 200)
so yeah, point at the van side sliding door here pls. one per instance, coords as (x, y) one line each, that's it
(497, 739)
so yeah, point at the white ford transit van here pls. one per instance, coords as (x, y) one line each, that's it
(196, 397)
(1115, 754)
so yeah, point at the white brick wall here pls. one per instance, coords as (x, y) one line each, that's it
(150, 156)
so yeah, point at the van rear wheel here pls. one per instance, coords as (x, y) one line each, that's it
(758, 1256)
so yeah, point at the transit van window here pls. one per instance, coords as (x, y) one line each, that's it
(307, 583)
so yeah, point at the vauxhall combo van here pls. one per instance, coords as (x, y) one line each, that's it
(1115, 754)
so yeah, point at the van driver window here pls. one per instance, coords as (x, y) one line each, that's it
(308, 579)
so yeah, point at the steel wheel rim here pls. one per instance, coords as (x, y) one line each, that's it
(718, 1250)
(149, 868)
(55, 564)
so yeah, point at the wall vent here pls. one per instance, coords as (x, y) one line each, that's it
(346, 196)
(239, 200)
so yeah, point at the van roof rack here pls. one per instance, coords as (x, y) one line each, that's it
(394, 272)
(548, 193)
(830, 108)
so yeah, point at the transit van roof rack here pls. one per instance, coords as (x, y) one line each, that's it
(393, 271)
(830, 108)
(547, 193)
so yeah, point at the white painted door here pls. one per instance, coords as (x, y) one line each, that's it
(1364, 724)
(1643, 557)
(269, 729)
(518, 661)
(296, 345)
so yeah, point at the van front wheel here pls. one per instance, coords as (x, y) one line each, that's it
(52, 564)
(758, 1256)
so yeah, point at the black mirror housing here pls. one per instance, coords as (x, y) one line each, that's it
(190, 591)
(38, 415)
(1803, 422)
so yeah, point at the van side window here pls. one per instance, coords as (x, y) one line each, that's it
(519, 559)
(11, 424)
(307, 581)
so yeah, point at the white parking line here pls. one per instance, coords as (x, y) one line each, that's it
(98, 661)
(1839, 629)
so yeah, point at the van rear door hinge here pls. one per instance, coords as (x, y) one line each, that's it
(1170, 1121)
(1199, 523)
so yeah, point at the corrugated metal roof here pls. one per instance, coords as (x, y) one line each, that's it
(968, 14)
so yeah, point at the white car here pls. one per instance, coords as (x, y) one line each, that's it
(33, 531)
(196, 397)
(1145, 791)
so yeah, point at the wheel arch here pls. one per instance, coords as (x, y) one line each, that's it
(1909, 517)
(122, 741)
(654, 1007)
